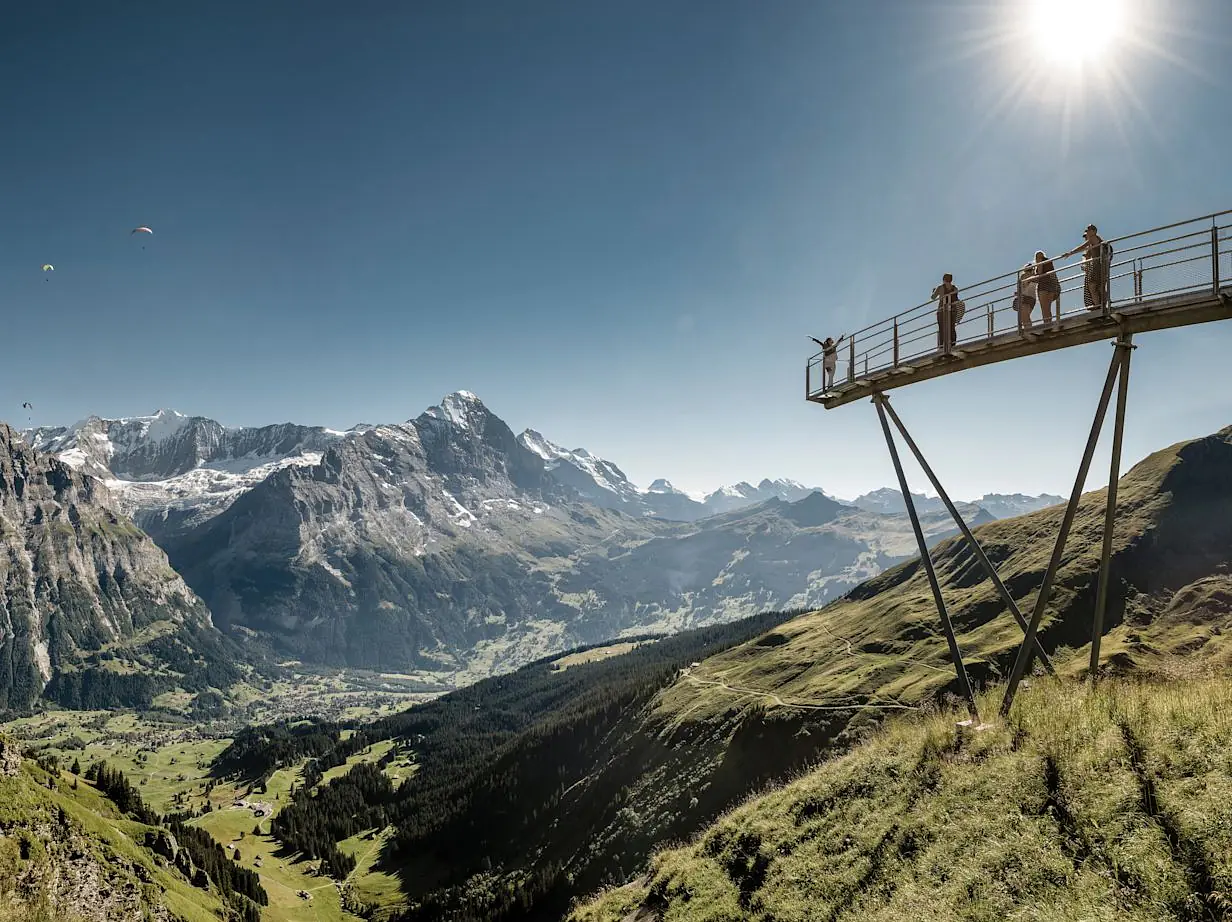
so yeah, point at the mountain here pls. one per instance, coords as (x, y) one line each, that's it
(997, 505)
(86, 595)
(603, 483)
(728, 499)
(446, 543)
(170, 471)
(494, 836)
(1010, 505)
(890, 502)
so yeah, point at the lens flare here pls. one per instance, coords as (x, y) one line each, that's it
(1077, 33)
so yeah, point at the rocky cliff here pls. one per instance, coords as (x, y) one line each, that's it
(77, 577)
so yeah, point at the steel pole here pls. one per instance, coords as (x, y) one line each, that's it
(1041, 601)
(1125, 346)
(966, 532)
(955, 653)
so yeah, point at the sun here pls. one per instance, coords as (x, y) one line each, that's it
(1077, 33)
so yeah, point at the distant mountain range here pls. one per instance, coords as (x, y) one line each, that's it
(448, 543)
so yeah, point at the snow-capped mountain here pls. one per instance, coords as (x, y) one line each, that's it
(447, 542)
(998, 505)
(169, 470)
(1010, 505)
(737, 496)
(889, 501)
(596, 480)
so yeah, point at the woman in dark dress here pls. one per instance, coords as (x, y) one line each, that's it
(1047, 287)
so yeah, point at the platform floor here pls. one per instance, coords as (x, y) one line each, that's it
(1160, 313)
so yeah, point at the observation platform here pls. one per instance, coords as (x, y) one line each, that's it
(1171, 276)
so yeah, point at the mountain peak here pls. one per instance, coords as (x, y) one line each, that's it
(662, 485)
(462, 408)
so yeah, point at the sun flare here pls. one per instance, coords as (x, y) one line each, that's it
(1077, 32)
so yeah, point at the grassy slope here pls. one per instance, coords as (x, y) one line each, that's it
(1104, 803)
(27, 803)
(882, 645)
(880, 650)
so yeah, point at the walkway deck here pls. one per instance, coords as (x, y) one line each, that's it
(1166, 277)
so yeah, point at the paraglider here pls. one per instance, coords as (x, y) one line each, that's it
(30, 407)
(48, 267)
(141, 230)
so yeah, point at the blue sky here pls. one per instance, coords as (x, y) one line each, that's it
(616, 223)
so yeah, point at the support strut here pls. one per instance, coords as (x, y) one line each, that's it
(989, 569)
(1045, 592)
(955, 654)
(1125, 349)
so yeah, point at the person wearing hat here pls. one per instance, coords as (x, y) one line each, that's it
(1096, 256)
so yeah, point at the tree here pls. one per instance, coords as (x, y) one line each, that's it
(76, 770)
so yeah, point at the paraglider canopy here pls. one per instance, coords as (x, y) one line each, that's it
(141, 230)
(48, 267)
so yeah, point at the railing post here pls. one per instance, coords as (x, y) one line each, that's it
(1138, 279)
(1215, 255)
(808, 380)
(851, 360)
(991, 322)
(895, 342)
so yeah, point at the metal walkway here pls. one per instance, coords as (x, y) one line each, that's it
(1170, 276)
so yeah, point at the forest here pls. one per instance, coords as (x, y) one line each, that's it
(493, 759)
(193, 851)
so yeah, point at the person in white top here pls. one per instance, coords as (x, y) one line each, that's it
(1024, 297)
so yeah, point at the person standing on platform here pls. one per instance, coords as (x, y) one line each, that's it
(1047, 287)
(1024, 298)
(829, 358)
(1097, 255)
(946, 296)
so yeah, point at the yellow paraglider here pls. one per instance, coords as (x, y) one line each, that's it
(48, 267)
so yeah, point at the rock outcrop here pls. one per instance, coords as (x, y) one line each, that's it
(76, 575)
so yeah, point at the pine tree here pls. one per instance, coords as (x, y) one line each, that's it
(76, 768)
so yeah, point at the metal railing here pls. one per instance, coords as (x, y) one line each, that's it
(1185, 258)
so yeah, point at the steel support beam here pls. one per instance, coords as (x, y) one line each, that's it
(1045, 592)
(1125, 347)
(966, 532)
(955, 654)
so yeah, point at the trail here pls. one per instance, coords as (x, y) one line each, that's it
(368, 854)
(850, 651)
(804, 707)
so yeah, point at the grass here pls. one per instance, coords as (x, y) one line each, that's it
(1106, 802)
(282, 875)
(369, 886)
(109, 840)
(882, 646)
(592, 656)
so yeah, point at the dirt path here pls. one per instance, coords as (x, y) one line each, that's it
(896, 705)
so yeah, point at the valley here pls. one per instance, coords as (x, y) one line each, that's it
(518, 781)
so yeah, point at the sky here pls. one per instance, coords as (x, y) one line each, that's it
(615, 223)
